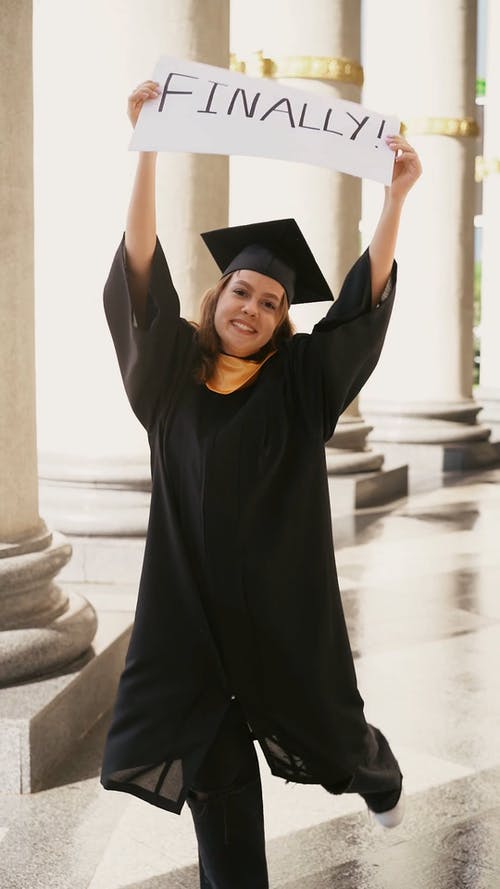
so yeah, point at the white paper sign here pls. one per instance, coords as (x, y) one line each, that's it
(204, 109)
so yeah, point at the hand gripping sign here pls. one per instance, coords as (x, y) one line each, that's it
(204, 109)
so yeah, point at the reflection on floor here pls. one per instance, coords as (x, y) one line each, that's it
(421, 587)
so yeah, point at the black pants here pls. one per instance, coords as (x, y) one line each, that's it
(226, 803)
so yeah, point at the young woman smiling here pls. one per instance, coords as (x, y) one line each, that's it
(239, 633)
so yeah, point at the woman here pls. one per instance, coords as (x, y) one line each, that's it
(239, 632)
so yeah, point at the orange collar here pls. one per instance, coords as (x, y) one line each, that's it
(231, 373)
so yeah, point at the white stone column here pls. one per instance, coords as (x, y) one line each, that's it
(88, 57)
(292, 33)
(424, 71)
(489, 389)
(40, 627)
(302, 37)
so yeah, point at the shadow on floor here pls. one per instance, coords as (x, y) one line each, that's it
(184, 878)
(85, 759)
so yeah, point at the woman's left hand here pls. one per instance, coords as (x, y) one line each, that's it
(407, 167)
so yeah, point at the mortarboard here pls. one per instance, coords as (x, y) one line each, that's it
(277, 249)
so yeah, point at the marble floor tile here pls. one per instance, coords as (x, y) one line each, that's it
(147, 842)
(420, 583)
(439, 697)
(449, 832)
(55, 838)
(418, 864)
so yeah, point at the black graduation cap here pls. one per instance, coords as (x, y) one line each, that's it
(277, 249)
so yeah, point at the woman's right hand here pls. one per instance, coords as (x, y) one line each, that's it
(150, 89)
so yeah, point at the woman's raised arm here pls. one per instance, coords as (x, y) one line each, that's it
(140, 231)
(407, 169)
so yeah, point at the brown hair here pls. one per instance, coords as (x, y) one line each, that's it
(208, 339)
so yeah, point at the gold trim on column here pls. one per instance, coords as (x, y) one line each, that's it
(301, 67)
(441, 126)
(320, 68)
(254, 64)
(486, 167)
(235, 64)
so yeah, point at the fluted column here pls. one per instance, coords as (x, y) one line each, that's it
(40, 627)
(489, 390)
(326, 204)
(93, 452)
(422, 392)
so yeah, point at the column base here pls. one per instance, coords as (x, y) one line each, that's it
(340, 462)
(423, 430)
(490, 413)
(38, 651)
(425, 423)
(41, 721)
(436, 459)
(360, 477)
(95, 498)
(41, 628)
(351, 492)
(350, 434)
(437, 437)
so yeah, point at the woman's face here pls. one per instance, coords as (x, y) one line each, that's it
(248, 311)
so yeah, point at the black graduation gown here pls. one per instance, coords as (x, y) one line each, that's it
(239, 593)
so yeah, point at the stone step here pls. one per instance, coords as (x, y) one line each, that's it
(42, 719)
(364, 489)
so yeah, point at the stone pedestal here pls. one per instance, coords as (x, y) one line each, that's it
(421, 393)
(362, 489)
(349, 443)
(490, 403)
(434, 439)
(82, 194)
(40, 722)
(362, 477)
(41, 628)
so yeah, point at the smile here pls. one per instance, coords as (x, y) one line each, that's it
(245, 328)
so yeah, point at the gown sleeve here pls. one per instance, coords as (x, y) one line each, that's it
(151, 357)
(332, 364)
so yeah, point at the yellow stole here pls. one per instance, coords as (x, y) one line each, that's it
(231, 373)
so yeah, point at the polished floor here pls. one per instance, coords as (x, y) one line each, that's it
(421, 587)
